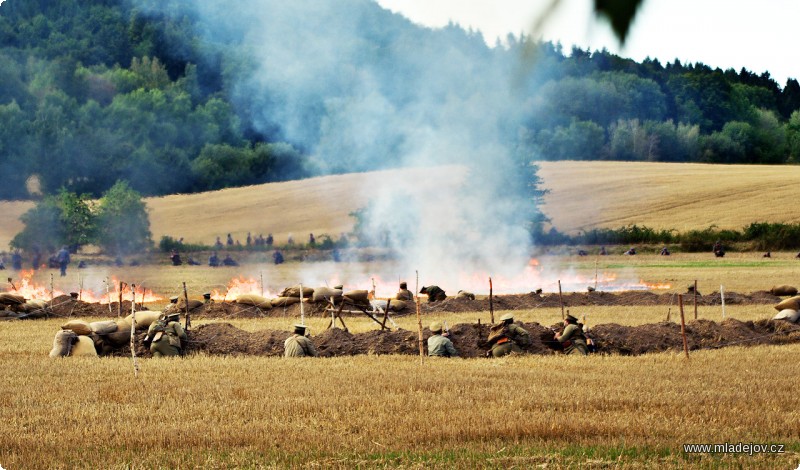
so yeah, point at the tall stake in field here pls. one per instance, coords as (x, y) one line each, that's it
(491, 301)
(561, 299)
(52, 290)
(119, 304)
(186, 300)
(108, 295)
(695, 299)
(419, 321)
(683, 327)
(722, 294)
(302, 310)
(133, 331)
(80, 287)
(261, 273)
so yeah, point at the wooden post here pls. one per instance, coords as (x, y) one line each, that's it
(261, 273)
(722, 294)
(133, 331)
(561, 299)
(302, 310)
(683, 327)
(419, 322)
(119, 305)
(52, 290)
(108, 295)
(491, 301)
(186, 299)
(669, 310)
(695, 299)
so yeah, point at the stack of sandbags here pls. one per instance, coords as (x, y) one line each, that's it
(783, 290)
(792, 303)
(358, 297)
(7, 298)
(254, 300)
(325, 294)
(788, 315)
(83, 347)
(103, 327)
(294, 291)
(144, 319)
(62, 343)
(79, 327)
(285, 301)
(193, 304)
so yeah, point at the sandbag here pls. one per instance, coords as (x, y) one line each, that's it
(144, 319)
(36, 304)
(7, 298)
(783, 290)
(788, 315)
(193, 304)
(462, 294)
(121, 337)
(792, 303)
(397, 305)
(285, 301)
(80, 327)
(62, 343)
(103, 327)
(251, 299)
(357, 296)
(83, 347)
(294, 291)
(323, 294)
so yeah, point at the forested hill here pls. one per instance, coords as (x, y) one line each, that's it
(178, 96)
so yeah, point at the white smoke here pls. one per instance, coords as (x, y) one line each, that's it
(360, 88)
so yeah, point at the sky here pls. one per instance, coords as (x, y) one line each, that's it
(760, 36)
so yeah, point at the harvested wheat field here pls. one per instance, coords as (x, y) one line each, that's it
(583, 195)
(549, 411)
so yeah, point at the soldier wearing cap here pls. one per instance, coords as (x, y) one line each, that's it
(298, 345)
(439, 344)
(165, 335)
(572, 338)
(435, 293)
(507, 337)
(404, 293)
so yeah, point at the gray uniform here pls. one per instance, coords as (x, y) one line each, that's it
(439, 345)
(299, 346)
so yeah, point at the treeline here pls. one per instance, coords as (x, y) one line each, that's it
(95, 91)
(117, 223)
(756, 236)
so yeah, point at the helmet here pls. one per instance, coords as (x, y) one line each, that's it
(436, 326)
(507, 316)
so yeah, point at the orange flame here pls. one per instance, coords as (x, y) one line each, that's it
(238, 286)
(29, 289)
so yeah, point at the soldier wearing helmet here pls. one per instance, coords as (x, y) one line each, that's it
(438, 344)
(165, 335)
(507, 337)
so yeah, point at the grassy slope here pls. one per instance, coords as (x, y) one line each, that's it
(582, 195)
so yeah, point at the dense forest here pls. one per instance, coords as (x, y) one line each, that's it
(153, 92)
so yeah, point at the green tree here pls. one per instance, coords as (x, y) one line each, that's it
(123, 226)
(64, 219)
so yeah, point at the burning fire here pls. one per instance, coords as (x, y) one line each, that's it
(28, 288)
(238, 286)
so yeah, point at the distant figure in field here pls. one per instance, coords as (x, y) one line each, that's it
(82, 265)
(311, 240)
(298, 345)
(767, 255)
(213, 260)
(230, 240)
(269, 240)
(665, 251)
(435, 293)
(404, 293)
(218, 243)
(63, 260)
(228, 261)
(582, 253)
(718, 250)
(290, 240)
(603, 251)
(249, 240)
(192, 262)
(16, 261)
(631, 251)
(277, 257)
(175, 258)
